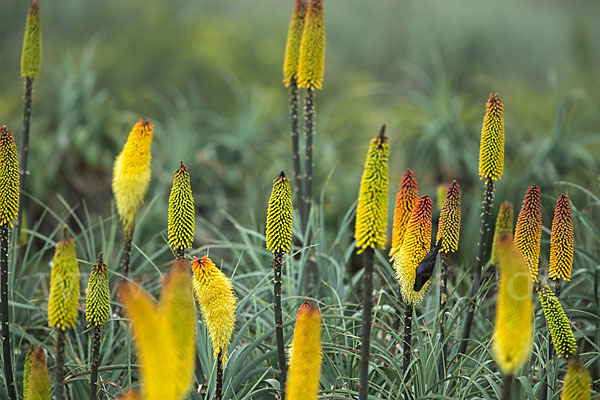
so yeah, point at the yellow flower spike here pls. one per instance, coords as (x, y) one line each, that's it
(279, 216)
(528, 233)
(577, 385)
(491, 152)
(9, 177)
(406, 198)
(181, 212)
(416, 244)
(504, 225)
(64, 285)
(558, 323)
(97, 300)
(372, 209)
(311, 62)
(514, 311)
(36, 376)
(31, 58)
(163, 334)
(292, 46)
(305, 360)
(131, 174)
(214, 293)
(449, 225)
(561, 241)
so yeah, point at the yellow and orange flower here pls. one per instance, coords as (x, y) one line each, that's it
(561, 241)
(311, 62)
(214, 293)
(406, 198)
(528, 233)
(131, 174)
(292, 46)
(9, 177)
(416, 244)
(372, 210)
(491, 152)
(305, 361)
(64, 285)
(449, 225)
(577, 385)
(513, 332)
(279, 216)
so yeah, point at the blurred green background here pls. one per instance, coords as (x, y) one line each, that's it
(208, 75)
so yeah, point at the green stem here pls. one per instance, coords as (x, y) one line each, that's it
(483, 234)
(277, 261)
(367, 317)
(6, 350)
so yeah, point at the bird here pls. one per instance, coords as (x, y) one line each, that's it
(426, 266)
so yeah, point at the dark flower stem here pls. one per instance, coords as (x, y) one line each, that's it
(298, 189)
(219, 389)
(365, 339)
(483, 234)
(406, 356)
(24, 147)
(60, 364)
(277, 260)
(507, 382)
(96, 339)
(126, 255)
(309, 120)
(6, 350)
(443, 299)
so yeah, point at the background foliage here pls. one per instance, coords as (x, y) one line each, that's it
(208, 75)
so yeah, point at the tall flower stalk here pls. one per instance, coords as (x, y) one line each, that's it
(181, 212)
(279, 241)
(31, 61)
(371, 225)
(9, 208)
(491, 167)
(448, 233)
(214, 293)
(305, 361)
(131, 178)
(97, 311)
(311, 62)
(561, 264)
(63, 302)
(513, 332)
(290, 78)
(415, 246)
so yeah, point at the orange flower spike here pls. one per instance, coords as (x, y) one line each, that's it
(416, 244)
(311, 59)
(528, 233)
(491, 151)
(449, 225)
(561, 241)
(408, 194)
